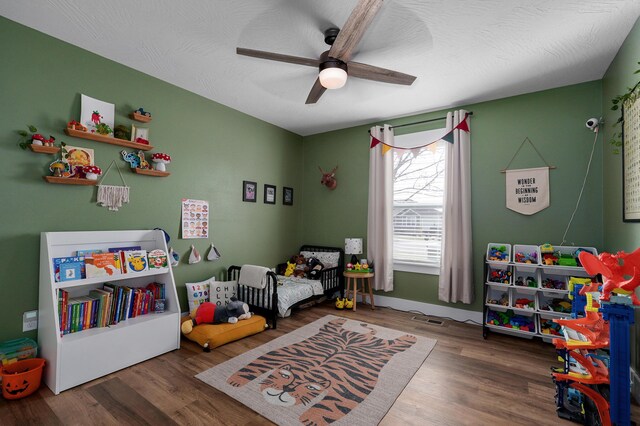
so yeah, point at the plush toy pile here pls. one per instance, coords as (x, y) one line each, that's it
(210, 313)
(301, 267)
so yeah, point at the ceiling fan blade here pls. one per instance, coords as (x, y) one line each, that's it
(353, 30)
(277, 57)
(370, 72)
(316, 91)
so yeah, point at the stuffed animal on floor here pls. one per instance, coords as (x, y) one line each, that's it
(300, 270)
(314, 267)
(210, 313)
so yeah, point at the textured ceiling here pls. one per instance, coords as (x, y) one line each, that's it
(462, 51)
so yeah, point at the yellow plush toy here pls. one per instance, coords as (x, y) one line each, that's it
(290, 268)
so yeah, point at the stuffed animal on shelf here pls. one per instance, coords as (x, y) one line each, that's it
(210, 313)
(300, 270)
(314, 268)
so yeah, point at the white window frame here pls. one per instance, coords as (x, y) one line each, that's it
(409, 140)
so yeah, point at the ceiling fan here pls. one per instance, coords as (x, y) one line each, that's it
(335, 64)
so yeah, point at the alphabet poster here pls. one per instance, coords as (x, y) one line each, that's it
(528, 190)
(195, 218)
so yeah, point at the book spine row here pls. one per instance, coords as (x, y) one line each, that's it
(106, 306)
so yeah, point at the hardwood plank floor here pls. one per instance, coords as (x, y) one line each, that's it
(465, 381)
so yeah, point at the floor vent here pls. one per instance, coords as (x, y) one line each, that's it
(427, 320)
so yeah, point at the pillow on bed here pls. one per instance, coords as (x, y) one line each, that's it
(198, 293)
(329, 259)
(221, 291)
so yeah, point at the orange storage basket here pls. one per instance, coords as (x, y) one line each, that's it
(21, 378)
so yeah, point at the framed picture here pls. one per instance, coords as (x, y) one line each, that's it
(78, 156)
(631, 160)
(287, 196)
(140, 134)
(269, 194)
(249, 190)
(96, 115)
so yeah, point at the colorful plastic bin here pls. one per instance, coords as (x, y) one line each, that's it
(21, 378)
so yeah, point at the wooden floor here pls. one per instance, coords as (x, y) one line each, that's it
(464, 381)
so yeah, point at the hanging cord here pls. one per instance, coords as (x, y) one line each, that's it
(584, 182)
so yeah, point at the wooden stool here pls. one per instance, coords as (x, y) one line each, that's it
(352, 286)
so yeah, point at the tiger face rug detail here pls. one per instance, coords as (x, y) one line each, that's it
(332, 371)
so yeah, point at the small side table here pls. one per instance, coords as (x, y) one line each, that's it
(352, 286)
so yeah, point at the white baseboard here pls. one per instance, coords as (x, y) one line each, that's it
(635, 386)
(427, 308)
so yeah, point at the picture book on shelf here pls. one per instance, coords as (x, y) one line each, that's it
(135, 261)
(87, 253)
(102, 265)
(157, 259)
(68, 268)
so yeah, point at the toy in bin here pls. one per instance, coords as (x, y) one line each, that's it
(499, 253)
(21, 378)
(521, 257)
(530, 282)
(510, 320)
(500, 276)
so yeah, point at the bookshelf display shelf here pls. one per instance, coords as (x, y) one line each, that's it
(101, 280)
(76, 358)
(69, 181)
(107, 139)
(150, 172)
(139, 117)
(41, 149)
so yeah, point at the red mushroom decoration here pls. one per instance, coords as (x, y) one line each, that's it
(37, 139)
(159, 160)
(92, 172)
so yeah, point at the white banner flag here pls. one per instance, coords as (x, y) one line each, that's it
(528, 190)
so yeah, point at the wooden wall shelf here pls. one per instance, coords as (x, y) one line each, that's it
(150, 172)
(69, 181)
(40, 149)
(106, 139)
(139, 117)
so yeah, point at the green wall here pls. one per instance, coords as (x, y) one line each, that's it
(619, 235)
(553, 120)
(214, 148)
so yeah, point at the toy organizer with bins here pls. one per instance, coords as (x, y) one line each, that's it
(518, 285)
(73, 359)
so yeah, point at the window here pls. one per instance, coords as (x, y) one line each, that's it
(418, 193)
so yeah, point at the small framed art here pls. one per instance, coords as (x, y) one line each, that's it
(269, 194)
(249, 190)
(287, 196)
(140, 134)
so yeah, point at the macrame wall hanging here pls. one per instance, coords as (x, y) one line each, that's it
(112, 196)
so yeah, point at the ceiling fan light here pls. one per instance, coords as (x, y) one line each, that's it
(333, 78)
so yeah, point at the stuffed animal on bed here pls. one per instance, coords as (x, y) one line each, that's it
(210, 313)
(300, 270)
(314, 267)
(290, 268)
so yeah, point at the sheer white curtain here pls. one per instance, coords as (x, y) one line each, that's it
(456, 268)
(380, 218)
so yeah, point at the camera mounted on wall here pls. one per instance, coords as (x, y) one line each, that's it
(594, 123)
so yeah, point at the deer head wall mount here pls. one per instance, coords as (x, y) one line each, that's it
(329, 178)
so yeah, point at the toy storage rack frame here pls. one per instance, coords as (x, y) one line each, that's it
(538, 269)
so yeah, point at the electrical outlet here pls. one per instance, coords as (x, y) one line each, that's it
(30, 321)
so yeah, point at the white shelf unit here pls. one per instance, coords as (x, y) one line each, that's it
(525, 270)
(83, 356)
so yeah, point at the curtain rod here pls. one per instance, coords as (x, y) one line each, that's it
(422, 122)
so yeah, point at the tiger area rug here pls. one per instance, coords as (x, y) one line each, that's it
(331, 371)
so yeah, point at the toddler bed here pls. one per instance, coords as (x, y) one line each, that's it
(291, 292)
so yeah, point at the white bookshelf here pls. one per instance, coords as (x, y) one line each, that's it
(80, 357)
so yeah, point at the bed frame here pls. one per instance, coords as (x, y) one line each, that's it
(261, 303)
(331, 278)
(258, 299)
